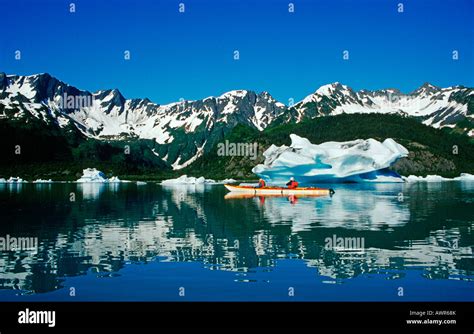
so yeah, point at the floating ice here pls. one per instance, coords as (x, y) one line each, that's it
(114, 179)
(43, 181)
(436, 178)
(225, 181)
(357, 161)
(184, 179)
(465, 177)
(16, 180)
(92, 175)
(427, 178)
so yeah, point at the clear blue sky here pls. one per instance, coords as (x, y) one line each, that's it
(190, 55)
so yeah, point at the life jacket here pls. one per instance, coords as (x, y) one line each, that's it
(261, 183)
(292, 184)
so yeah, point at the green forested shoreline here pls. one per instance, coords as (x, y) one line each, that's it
(62, 154)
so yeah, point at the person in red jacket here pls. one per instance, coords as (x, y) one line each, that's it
(292, 184)
(261, 183)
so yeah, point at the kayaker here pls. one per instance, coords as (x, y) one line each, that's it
(292, 184)
(261, 183)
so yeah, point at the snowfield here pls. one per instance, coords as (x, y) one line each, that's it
(109, 115)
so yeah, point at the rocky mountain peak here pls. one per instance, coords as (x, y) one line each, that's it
(426, 89)
(183, 130)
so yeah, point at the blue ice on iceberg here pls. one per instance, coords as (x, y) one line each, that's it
(361, 160)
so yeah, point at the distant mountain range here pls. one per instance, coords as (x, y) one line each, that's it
(181, 132)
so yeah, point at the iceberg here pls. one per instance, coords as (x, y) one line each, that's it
(92, 175)
(16, 180)
(114, 179)
(43, 181)
(361, 160)
(464, 177)
(225, 181)
(184, 179)
(427, 178)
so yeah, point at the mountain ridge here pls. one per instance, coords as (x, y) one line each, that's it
(3, 75)
(183, 131)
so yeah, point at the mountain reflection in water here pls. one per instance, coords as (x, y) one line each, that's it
(110, 226)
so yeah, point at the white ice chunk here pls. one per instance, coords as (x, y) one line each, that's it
(184, 179)
(465, 177)
(436, 178)
(114, 179)
(43, 181)
(92, 175)
(225, 181)
(357, 160)
(16, 180)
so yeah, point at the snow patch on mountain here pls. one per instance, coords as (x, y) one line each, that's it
(432, 105)
(176, 165)
(110, 116)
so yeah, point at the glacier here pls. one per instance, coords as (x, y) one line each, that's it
(361, 160)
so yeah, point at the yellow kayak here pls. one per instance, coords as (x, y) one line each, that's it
(279, 190)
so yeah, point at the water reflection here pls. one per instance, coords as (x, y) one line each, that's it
(93, 190)
(112, 226)
(350, 209)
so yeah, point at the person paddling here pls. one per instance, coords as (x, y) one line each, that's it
(292, 184)
(261, 183)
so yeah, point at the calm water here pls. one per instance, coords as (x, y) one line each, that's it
(146, 242)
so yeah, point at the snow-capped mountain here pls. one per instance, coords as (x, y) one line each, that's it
(437, 107)
(183, 131)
